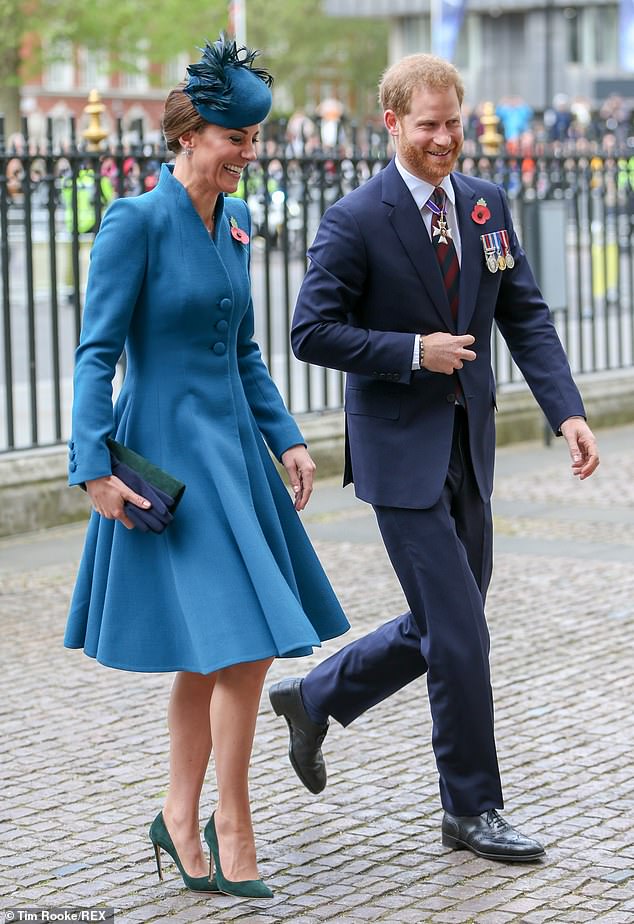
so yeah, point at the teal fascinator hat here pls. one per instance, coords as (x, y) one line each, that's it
(226, 89)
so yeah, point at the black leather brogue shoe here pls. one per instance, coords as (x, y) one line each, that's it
(489, 835)
(304, 750)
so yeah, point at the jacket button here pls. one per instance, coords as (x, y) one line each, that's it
(225, 304)
(219, 348)
(451, 398)
(222, 326)
(71, 444)
(71, 455)
(72, 466)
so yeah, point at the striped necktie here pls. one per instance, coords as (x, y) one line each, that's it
(445, 248)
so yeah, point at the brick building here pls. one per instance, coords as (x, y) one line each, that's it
(134, 96)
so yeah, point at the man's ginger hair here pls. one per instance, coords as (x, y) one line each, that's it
(422, 70)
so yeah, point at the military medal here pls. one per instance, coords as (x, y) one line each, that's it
(441, 230)
(490, 252)
(497, 251)
(508, 256)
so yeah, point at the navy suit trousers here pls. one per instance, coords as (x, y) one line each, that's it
(443, 559)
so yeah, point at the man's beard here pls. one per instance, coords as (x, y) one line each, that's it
(425, 165)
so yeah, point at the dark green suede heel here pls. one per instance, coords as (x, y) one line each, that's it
(160, 837)
(246, 888)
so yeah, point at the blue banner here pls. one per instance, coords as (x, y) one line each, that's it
(446, 19)
(626, 35)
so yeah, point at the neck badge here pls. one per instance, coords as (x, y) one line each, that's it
(441, 229)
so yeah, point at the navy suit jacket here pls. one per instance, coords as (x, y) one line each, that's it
(372, 284)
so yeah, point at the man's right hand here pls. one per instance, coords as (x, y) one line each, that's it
(446, 352)
(109, 494)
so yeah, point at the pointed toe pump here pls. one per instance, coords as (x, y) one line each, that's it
(245, 888)
(160, 837)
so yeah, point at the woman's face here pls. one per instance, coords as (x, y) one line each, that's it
(219, 154)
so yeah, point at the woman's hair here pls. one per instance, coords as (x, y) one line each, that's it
(179, 116)
(422, 70)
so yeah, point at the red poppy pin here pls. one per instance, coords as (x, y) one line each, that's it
(238, 233)
(480, 212)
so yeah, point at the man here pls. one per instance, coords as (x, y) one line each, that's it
(405, 282)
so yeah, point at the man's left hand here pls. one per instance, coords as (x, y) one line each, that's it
(582, 446)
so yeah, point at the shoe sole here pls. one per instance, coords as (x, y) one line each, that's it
(449, 840)
(248, 898)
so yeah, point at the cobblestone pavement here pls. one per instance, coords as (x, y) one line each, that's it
(84, 763)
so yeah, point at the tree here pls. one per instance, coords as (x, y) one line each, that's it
(31, 30)
(300, 42)
(14, 25)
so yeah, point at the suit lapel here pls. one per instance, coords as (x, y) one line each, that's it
(410, 229)
(471, 247)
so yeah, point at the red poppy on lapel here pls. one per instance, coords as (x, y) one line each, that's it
(480, 212)
(237, 233)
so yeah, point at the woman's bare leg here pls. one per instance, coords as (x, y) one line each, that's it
(234, 709)
(190, 747)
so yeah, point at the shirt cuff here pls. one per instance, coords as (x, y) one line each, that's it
(416, 356)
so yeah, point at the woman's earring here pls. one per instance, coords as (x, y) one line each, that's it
(188, 151)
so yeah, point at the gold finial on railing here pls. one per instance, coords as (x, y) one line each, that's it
(95, 133)
(490, 139)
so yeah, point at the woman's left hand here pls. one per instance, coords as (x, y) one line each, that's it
(301, 470)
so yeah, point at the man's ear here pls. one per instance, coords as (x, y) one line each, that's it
(391, 122)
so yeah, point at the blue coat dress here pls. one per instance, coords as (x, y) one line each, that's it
(234, 577)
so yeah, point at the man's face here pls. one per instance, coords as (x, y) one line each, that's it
(429, 138)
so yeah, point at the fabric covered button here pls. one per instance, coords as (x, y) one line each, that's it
(72, 466)
(222, 325)
(219, 348)
(71, 454)
(451, 398)
(71, 444)
(225, 304)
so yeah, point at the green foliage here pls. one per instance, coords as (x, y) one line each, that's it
(13, 25)
(300, 44)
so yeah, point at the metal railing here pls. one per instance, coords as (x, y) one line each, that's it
(574, 215)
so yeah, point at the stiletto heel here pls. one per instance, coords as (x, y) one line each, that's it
(160, 837)
(246, 888)
(159, 868)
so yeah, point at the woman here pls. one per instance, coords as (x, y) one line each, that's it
(233, 582)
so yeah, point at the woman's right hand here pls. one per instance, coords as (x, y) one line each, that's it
(109, 494)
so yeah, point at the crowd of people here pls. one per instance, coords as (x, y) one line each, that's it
(569, 126)
(569, 123)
